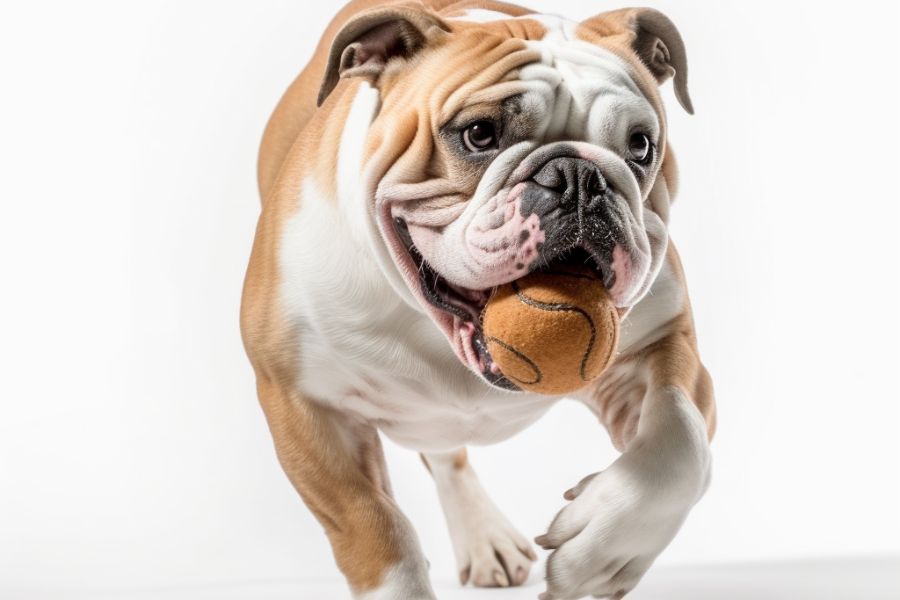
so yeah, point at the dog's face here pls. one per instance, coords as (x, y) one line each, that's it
(502, 147)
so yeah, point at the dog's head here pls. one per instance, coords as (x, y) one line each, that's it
(503, 145)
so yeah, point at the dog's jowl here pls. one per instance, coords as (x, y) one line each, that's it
(429, 153)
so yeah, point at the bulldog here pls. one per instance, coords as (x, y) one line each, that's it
(428, 153)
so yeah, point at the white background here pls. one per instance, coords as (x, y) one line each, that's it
(132, 450)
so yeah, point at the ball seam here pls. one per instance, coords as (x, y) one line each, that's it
(561, 307)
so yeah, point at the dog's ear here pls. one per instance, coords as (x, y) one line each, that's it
(367, 42)
(656, 41)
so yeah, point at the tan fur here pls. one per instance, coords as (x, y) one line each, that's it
(461, 460)
(345, 486)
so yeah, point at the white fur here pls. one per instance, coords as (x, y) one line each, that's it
(481, 535)
(587, 91)
(405, 581)
(350, 158)
(621, 520)
(663, 302)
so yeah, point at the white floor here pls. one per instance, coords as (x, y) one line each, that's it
(856, 579)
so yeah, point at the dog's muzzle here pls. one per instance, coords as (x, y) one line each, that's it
(574, 202)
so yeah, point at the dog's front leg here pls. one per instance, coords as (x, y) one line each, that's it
(658, 408)
(337, 465)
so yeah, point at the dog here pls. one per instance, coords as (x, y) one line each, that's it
(428, 153)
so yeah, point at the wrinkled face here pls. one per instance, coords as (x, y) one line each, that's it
(510, 155)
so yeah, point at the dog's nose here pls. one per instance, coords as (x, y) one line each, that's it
(575, 182)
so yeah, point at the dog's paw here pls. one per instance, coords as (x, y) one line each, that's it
(491, 553)
(616, 525)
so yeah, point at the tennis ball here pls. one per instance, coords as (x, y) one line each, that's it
(552, 332)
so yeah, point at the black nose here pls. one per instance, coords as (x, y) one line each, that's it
(574, 183)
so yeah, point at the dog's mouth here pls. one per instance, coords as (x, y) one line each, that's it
(458, 310)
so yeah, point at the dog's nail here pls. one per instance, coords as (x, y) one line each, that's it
(500, 579)
(521, 575)
(569, 494)
(464, 575)
(544, 542)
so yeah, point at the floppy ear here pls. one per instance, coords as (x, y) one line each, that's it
(655, 39)
(367, 42)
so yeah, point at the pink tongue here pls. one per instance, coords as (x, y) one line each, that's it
(476, 296)
(466, 332)
(621, 265)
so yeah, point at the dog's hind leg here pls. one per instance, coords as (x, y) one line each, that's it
(489, 551)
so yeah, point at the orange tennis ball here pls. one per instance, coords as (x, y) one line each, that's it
(552, 332)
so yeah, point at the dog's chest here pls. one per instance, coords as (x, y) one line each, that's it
(394, 369)
(363, 350)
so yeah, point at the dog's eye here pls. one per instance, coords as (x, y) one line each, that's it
(480, 136)
(640, 148)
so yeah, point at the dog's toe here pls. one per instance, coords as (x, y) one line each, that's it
(499, 560)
